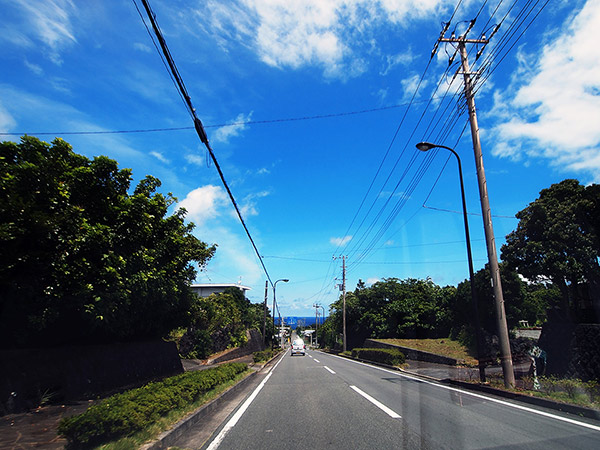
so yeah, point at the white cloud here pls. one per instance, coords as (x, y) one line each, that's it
(7, 122)
(142, 47)
(554, 113)
(196, 160)
(204, 203)
(248, 205)
(371, 281)
(36, 69)
(160, 157)
(50, 23)
(392, 61)
(409, 86)
(223, 134)
(340, 241)
(319, 33)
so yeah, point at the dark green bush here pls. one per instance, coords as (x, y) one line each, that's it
(389, 356)
(264, 355)
(124, 414)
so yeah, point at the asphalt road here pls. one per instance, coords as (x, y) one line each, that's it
(323, 401)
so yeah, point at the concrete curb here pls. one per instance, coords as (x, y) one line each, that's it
(537, 401)
(168, 438)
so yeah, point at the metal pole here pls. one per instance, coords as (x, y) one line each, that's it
(285, 280)
(426, 146)
(265, 313)
(505, 355)
(316, 325)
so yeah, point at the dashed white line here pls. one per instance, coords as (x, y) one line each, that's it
(316, 360)
(331, 371)
(377, 403)
(483, 397)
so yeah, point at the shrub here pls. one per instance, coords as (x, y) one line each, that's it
(124, 414)
(389, 356)
(264, 355)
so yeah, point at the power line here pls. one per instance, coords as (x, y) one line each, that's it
(198, 124)
(226, 124)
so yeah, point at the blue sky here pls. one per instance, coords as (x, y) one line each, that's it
(313, 109)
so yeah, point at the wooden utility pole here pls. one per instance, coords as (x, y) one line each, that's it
(505, 355)
(344, 300)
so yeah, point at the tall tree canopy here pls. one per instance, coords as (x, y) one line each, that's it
(81, 259)
(392, 308)
(557, 240)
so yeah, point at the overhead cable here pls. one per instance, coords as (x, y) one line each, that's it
(198, 126)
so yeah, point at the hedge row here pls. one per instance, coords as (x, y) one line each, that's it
(124, 414)
(263, 355)
(389, 356)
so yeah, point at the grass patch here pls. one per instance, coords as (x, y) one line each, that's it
(563, 390)
(444, 347)
(389, 356)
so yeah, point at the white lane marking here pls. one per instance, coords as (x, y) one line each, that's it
(316, 360)
(309, 356)
(331, 371)
(240, 412)
(377, 403)
(472, 394)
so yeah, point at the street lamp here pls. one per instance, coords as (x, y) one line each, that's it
(319, 306)
(285, 280)
(425, 147)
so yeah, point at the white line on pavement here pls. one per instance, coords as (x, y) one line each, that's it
(380, 405)
(240, 412)
(331, 371)
(472, 394)
(316, 360)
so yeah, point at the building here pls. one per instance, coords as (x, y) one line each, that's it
(206, 289)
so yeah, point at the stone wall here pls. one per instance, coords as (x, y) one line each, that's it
(414, 355)
(585, 353)
(254, 344)
(75, 372)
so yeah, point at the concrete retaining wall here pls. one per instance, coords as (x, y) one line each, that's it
(74, 372)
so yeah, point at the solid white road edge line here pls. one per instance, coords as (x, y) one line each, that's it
(377, 403)
(472, 394)
(331, 371)
(240, 412)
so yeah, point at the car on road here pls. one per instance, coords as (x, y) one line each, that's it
(298, 347)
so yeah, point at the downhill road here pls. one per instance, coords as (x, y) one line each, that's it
(323, 401)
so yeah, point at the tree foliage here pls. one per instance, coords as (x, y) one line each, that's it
(392, 308)
(557, 240)
(220, 321)
(81, 259)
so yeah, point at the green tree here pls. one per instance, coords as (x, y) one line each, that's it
(394, 308)
(557, 240)
(82, 260)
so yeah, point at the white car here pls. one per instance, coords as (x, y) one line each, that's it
(298, 347)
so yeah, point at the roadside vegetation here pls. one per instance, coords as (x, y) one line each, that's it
(388, 356)
(145, 411)
(445, 347)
